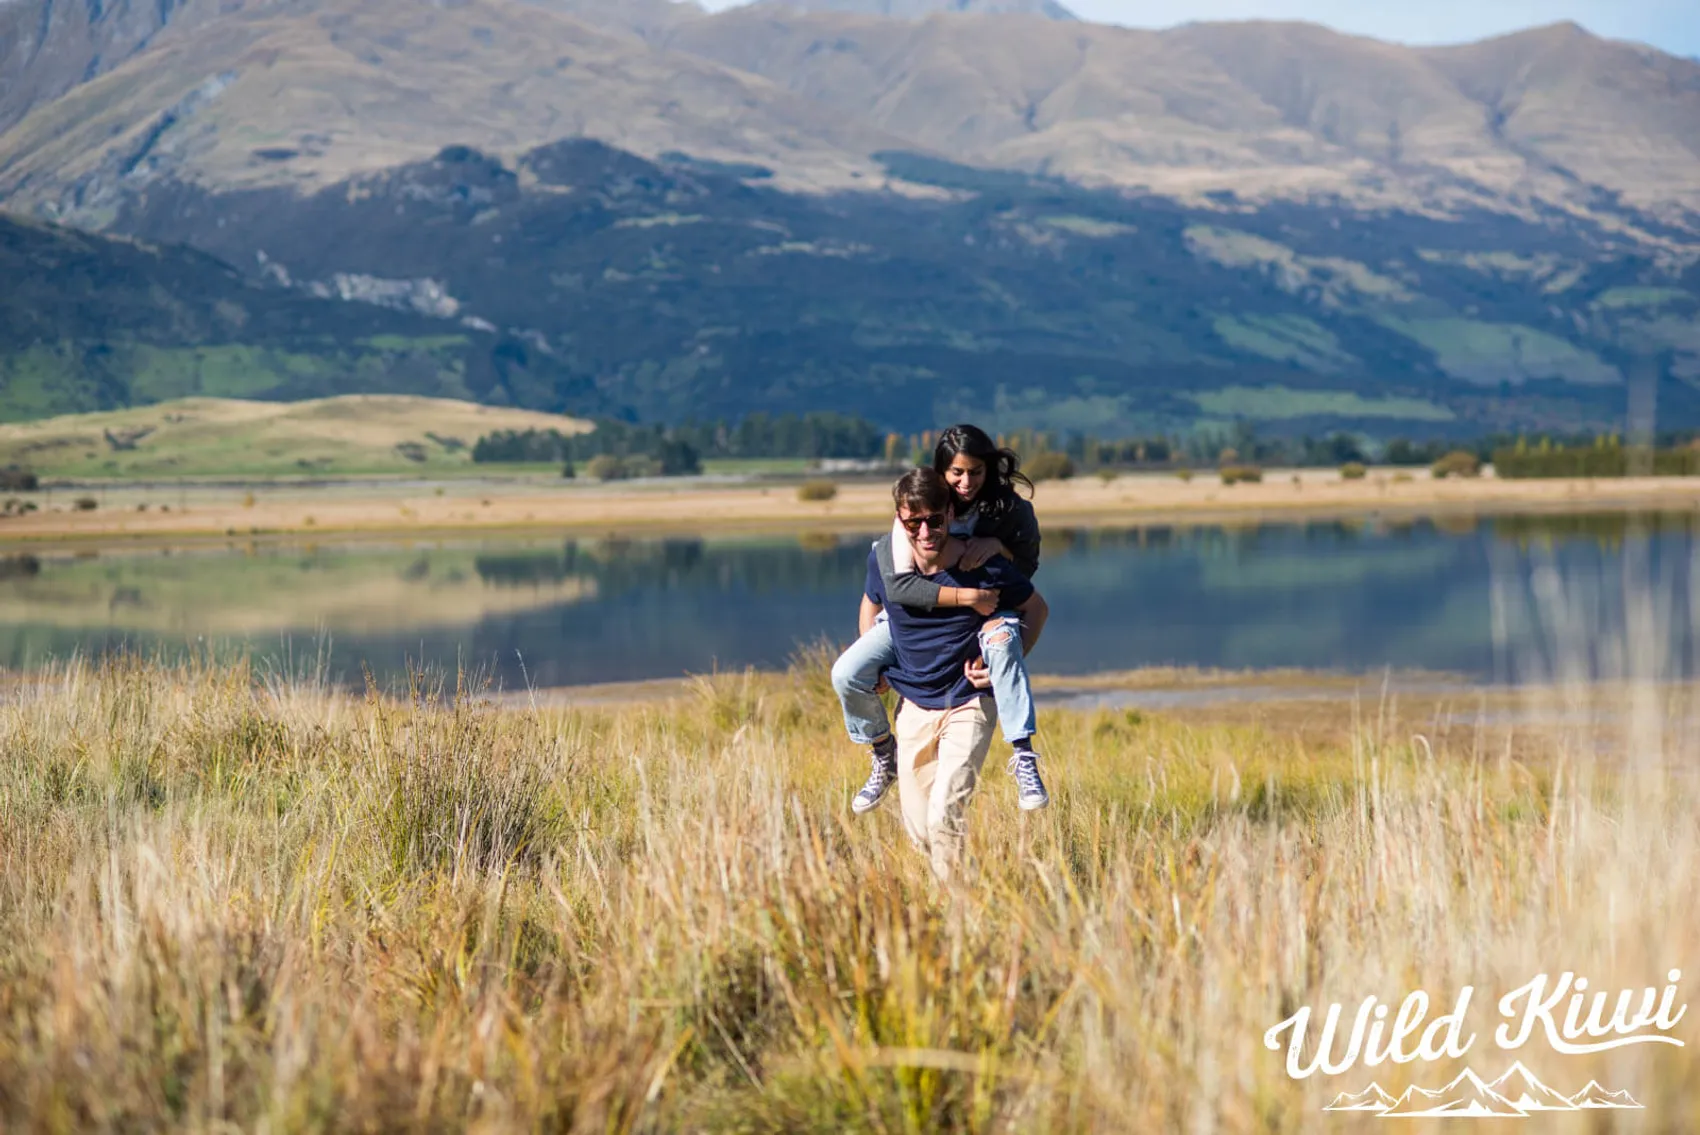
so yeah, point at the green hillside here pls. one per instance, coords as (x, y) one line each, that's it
(92, 323)
(672, 291)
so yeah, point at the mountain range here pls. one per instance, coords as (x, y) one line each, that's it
(1517, 1092)
(1466, 1095)
(908, 209)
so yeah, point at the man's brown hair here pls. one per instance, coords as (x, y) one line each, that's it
(921, 491)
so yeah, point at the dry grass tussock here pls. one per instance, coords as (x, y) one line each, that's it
(231, 901)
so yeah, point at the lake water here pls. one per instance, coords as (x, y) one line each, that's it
(1504, 600)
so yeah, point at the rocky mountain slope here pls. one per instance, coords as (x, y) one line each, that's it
(47, 47)
(632, 206)
(306, 92)
(1548, 118)
(920, 9)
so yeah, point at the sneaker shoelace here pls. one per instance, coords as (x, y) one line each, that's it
(882, 774)
(1025, 768)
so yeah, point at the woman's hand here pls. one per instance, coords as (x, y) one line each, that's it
(977, 550)
(981, 600)
(979, 674)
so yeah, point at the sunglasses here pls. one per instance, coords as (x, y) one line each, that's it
(912, 524)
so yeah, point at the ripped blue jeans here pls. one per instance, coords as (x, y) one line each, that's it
(857, 672)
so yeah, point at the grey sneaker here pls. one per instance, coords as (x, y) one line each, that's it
(1029, 788)
(880, 779)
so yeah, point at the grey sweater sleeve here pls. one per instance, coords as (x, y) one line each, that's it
(908, 589)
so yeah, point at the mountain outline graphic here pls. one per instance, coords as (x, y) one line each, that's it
(1516, 1094)
(1372, 1098)
(1596, 1096)
(1526, 1092)
(1466, 1095)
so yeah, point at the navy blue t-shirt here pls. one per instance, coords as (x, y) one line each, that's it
(932, 645)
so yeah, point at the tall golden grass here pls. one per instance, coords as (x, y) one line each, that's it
(235, 903)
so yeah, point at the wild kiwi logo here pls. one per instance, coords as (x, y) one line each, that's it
(1574, 1020)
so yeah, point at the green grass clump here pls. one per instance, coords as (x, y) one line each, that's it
(233, 900)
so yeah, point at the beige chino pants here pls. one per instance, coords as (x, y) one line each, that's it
(939, 754)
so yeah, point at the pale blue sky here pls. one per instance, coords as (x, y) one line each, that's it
(1672, 25)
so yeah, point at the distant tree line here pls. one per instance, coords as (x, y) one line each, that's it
(614, 449)
(520, 446)
(653, 449)
(14, 478)
(813, 436)
(1675, 453)
(1602, 457)
(1239, 444)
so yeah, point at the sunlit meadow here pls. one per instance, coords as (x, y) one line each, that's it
(231, 900)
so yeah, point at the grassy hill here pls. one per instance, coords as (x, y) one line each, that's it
(231, 437)
(89, 322)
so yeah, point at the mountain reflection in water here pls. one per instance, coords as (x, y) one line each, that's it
(1504, 599)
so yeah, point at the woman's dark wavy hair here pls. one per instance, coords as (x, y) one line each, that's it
(1003, 467)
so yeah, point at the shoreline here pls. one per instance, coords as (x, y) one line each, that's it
(152, 514)
(1065, 691)
(1308, 705)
